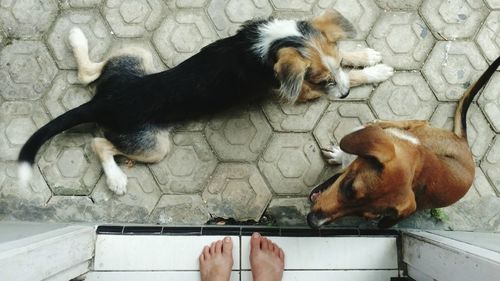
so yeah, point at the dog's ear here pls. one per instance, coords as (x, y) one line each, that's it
(398, 213)
(369, 142)
(333, 25)
(290, 68)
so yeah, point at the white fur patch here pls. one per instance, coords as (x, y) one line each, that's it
(373, 57)
(340, 76)
(24, 173)
(403, 135)
(77, 39)
(116, 179)
(272, 31)
(378, 73)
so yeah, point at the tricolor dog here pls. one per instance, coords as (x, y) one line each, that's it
(401, 167)
(135, 106)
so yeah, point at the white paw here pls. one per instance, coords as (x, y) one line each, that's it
(334, 155)
(76, 38)
(373, 57)
(343, 85)
(378, 73)
(117, 180)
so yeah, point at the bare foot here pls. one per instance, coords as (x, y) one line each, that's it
(266, 259)
(216, 261)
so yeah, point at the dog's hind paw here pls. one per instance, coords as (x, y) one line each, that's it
(378, 73)
(117, 181)
(77, 38)
(373, 57)
(334, 155)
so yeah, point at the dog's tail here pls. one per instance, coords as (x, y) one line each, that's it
(85, 113)
(460, 120)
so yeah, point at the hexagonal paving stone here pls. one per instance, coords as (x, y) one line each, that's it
(339, 120)
(404, 96)
(451, 67)
(36, 192)
(299, 117)
(79, 3)
(489, 101)
(187, 166)
(73, 209)
(488, 37)
(27, 18)
(453, 19)
(491, 164)
(401, 52)
(92, 25)
(65, 95)
(360, 92)
(289, 211)
(481, 184)
(298, 5)
(140, 199)
(173, 209)
(133, 18)
(494, 4)
(292, 163)
(182, 35)
(479, 133)
(186, 4)
(361, 13)
(228, 15)
(18, 121)
(399, 4)
(26, 70)
(239, 135)
(237, 191)
(69, 164)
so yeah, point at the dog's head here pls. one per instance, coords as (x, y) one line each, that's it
(377, 185)
(315, 67)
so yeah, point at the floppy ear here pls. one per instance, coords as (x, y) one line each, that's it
(398, 213)
(290, 68)
(333, 25)
(369, 142)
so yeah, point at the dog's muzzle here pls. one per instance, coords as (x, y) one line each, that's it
(316, 220)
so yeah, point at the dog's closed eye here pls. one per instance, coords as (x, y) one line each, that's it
(347, 189)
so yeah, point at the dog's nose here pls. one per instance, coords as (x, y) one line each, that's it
(345, 95)
(315, 220)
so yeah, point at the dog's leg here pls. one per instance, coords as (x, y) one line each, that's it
(115, 178)
(372, 74)
(88, 70)
(366, 57)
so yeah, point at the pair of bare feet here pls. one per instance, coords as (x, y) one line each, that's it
(266, 259)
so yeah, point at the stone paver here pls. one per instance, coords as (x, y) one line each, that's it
(187, 166)
(133, 18)
(92, 25)
(18, 120)
(403, 39)
(339, 120)
(240, 135)
(183, 34)
(488, 37)
(69, 164)
(228, 15)
(300, 117)
(174, 209)
(403, 96)
(233, 186)
(292, 163)
(489, 100)
(361, 13)
(451, 67)
(258, 159)
(27, 18)
(26, 70)
(456, 19)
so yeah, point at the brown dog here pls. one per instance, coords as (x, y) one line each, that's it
(401, 167)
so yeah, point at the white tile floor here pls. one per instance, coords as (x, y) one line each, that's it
(149, 257)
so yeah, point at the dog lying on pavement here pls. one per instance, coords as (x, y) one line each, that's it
(401, 167)
(135, 106)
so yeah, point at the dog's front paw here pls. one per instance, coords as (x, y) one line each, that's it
(117, 181)
(378, 73)
(334, 155)
(372, 57)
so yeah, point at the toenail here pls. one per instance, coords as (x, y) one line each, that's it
(227, 239)
(256, 235)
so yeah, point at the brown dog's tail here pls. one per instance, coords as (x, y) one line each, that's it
(460, 120)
